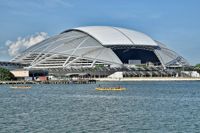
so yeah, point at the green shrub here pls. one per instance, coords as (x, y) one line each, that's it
(6, 75)
(197, 66)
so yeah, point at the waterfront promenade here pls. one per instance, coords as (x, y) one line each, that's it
(81, 81)
(149, 79)
(89, 81)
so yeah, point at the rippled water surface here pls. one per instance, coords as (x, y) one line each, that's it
(143, 107)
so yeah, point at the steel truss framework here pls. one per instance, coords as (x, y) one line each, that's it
(75, 48)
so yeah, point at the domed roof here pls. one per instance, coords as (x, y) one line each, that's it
(89, 46)
(107, 35)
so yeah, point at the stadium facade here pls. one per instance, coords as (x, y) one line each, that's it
(87, 47)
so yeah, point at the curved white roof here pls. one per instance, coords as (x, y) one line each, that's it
(86, 47)
(117, 36)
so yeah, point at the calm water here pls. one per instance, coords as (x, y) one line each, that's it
(144, 107)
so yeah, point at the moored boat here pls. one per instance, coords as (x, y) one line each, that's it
(20, 87)
(110, 89)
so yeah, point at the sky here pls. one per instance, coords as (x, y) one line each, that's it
(175, 23)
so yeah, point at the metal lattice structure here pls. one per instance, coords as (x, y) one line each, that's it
(95, 45)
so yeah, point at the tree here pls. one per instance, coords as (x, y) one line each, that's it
(6, 75)
(197, 68)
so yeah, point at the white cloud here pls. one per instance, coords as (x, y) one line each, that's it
(15, 47)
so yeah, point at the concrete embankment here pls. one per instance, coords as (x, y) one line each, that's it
(91, 81)
(82, 81)
(149, 79)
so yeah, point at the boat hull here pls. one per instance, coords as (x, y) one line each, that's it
(110, 89)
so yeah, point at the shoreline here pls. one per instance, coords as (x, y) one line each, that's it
(80, 81)
(148, 79)
(94, 80)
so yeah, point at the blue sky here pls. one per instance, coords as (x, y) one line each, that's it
(176, 23)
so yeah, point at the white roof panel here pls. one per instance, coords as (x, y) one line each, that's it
(117, 36)
(137, 37)
(106, 35)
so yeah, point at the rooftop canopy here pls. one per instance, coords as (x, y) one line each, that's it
(107, 35)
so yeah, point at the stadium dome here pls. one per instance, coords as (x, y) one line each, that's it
(99, 45)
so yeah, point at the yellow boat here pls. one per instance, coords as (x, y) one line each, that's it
(20, 87)
(110, 89)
